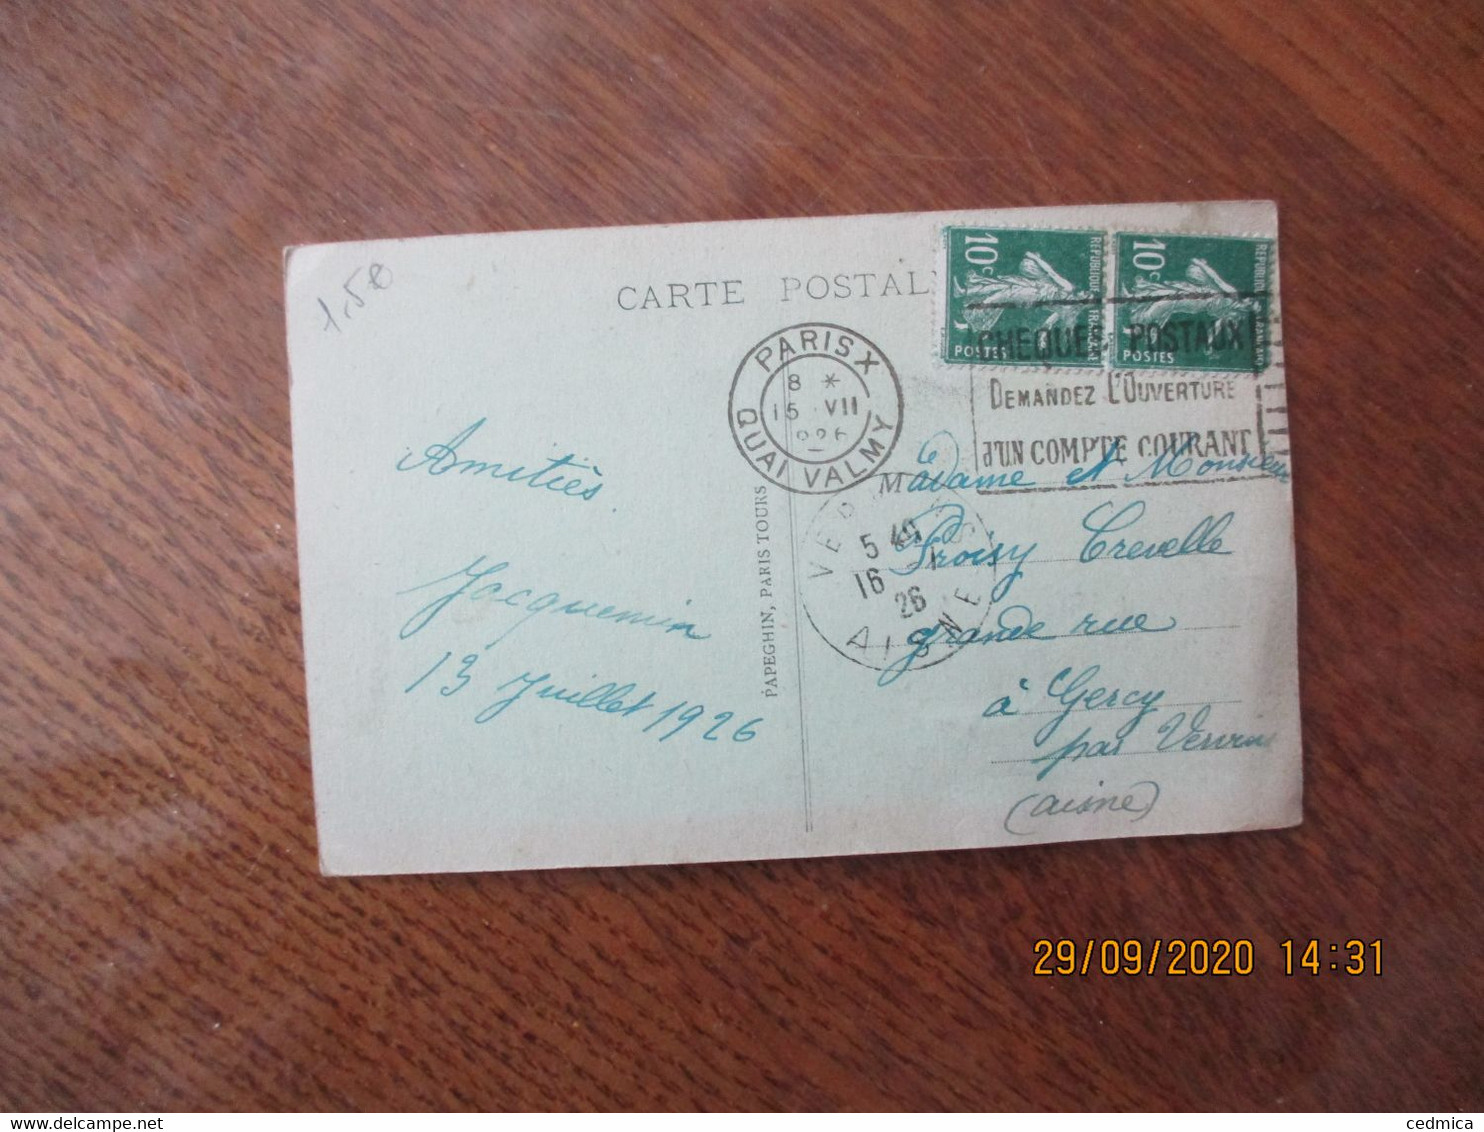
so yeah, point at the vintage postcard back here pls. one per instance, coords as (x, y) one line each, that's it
(793, 538)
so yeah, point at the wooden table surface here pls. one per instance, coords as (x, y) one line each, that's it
(166, 940)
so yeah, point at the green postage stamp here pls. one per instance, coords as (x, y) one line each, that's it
(1191, 302)
(1032, 297)
(1024, 297)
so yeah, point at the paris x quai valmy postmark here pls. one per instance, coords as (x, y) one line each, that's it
(816, 408)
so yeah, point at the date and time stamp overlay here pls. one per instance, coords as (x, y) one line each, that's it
(1199, 957)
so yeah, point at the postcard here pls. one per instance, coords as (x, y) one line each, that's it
(790, 538)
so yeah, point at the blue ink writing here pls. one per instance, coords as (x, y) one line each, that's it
(945, 475)
(1080, 693)
(1107, 518)
(462, 675)
(946, 522)
(1181, 734)
(1112, 453)
(614, 699)
(1091, 626)
(1178, 463)
(1004, 705)
(1137, 800)
(1014, 623)
(556, 475)
(472, 584)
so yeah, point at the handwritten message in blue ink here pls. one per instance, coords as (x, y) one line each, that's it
(472, 584)
(1136, 716)
(559, 474)
(607, 698)
(1108, 518)
(938, 458)
(482, 581)
(945, 523)
(1036, 810)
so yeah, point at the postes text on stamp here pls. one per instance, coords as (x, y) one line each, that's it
(1191, 302)
(816, 407)
(1023, 297)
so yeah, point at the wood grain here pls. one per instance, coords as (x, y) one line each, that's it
(165, 939)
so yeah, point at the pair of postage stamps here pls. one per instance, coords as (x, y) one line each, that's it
(1043, 297)
(817, 407)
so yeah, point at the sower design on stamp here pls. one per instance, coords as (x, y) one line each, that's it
(1023, 297)
(815, 407)
(1191, 302)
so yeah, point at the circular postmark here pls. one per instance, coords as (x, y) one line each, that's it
(892, 579)
(815, 407)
